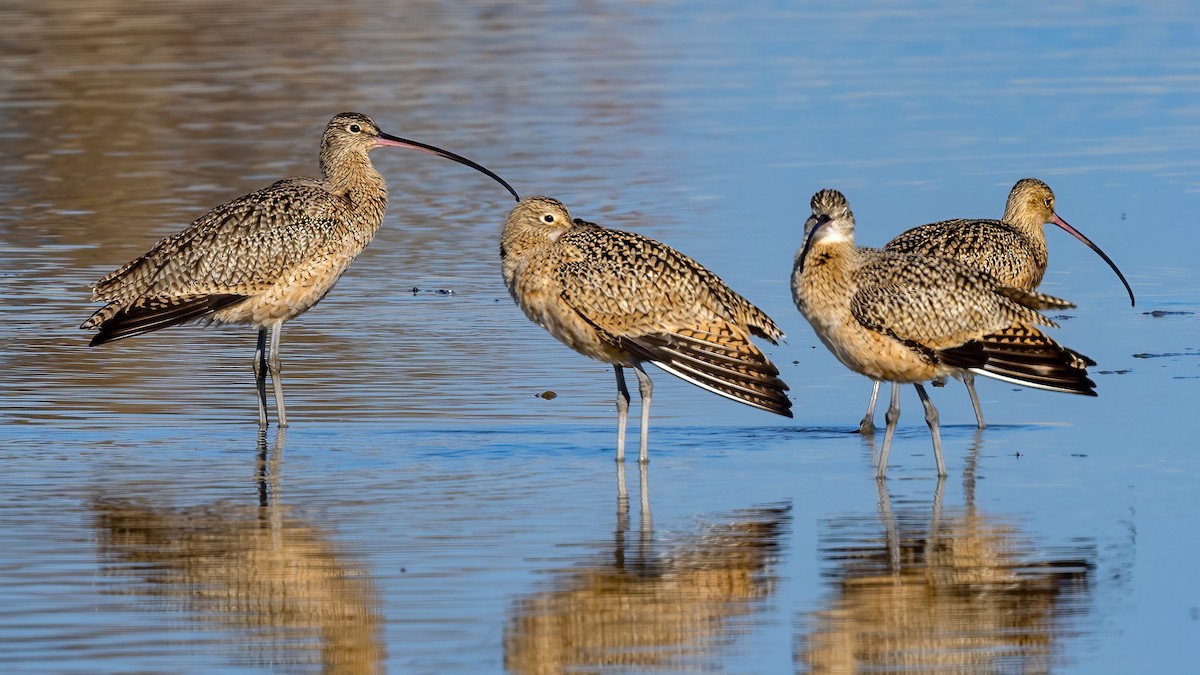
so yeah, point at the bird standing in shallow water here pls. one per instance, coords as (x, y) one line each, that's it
(910, 318)
(626, 299)
(265, 257)
(1012, 249)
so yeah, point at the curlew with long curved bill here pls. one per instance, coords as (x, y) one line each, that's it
(626, 299)
(1012, 249)
(263, 258)
(909, 318)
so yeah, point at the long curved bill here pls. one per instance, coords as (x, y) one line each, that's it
(810, 229)
(1088, 242)
(388, 139)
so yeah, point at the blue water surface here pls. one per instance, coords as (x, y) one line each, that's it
(431, 510)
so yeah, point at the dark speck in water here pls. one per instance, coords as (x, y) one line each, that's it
(1162, 312)
(548, 395)
(1115, 372)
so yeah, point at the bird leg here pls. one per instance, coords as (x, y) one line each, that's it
(644, 389)
(892, 417)
(276, 375)
(867, 426)
(968, 379)
(260, 377)
(622, 411)
(931, 418)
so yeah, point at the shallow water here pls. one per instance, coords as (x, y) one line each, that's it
(428, 511)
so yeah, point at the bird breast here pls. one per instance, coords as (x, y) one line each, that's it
(535, 286)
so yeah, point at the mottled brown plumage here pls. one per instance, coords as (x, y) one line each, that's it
(625, 299)
(1012, 249)
(910, 318)
(265, 257)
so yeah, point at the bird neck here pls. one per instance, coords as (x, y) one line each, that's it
(1031, 228)
(355, 178)
(1028, 219)
(828, 270)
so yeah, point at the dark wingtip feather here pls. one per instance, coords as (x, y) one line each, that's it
(735, 370)
(150, 314)
(1024, 355)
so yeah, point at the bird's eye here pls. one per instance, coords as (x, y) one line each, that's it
(354, 129)
(549, 218)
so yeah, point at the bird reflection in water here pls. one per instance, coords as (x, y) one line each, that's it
(923, 590)
(263, 573)
(648, 606)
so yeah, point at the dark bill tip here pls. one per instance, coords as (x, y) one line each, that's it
(1088, 242)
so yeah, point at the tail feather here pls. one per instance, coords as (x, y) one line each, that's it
(1033, 299)
(101, 315)
(146, 315)
(726, 365)
(762, 325)
(1024, 355)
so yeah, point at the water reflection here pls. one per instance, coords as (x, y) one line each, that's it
(274, 580)
(640, 606)
(918, 588)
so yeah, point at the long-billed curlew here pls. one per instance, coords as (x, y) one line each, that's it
(626, 299)
(910, 318)
(265, 257)
(1012, 249)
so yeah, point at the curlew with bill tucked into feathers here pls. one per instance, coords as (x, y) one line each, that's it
(909, 318)
(625, 299)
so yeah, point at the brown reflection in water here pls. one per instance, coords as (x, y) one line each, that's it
(919, 590)
(273, 579)
(645, 608)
